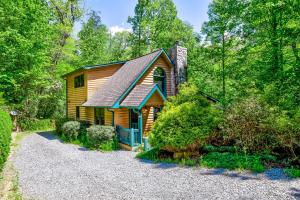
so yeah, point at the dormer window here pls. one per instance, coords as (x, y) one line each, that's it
(79, 81)
(159, 77)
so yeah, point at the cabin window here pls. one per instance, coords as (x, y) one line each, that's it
(79, 81)
(156, 111)
(99, 116)
(159, 77)
(77, 112)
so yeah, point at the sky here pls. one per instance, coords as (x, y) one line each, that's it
(114, 13)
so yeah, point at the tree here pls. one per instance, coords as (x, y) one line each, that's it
(120, 46)
(93, 41)
(139, 27)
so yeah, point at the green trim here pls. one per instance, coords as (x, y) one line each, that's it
(92, 67)
(153, 90)
(156, 88)
(117, 103)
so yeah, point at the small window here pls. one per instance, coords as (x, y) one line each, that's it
(159, 77)
(77, 112)
(99, 116)
(79, 81)
(156, 111)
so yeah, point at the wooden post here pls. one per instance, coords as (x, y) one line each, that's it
(132, 137)
(140, 127)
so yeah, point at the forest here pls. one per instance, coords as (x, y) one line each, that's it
(246, 55)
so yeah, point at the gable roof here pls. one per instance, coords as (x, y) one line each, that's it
(121, 82)
(93, 67)
(140, 94)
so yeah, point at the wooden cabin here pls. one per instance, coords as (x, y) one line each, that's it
(127, 95)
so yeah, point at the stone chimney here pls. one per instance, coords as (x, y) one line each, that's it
(178, 56)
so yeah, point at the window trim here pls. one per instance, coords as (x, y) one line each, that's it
(164, 80)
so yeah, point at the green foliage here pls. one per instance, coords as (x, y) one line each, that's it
(97, 135)
(149, 155)
(93, 41)
(59, 122)
(210, 148)
(110, 145)
(70, 130)
(5, 136)
(246, 123)
(33, 124)
(233, 161)
(155, 25)
(185, 122)
(292, 172)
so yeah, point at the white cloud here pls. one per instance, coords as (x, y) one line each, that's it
(116, 29)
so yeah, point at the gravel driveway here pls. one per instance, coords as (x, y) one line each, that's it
(49, 169)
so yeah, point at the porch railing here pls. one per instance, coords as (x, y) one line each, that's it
(128, 136)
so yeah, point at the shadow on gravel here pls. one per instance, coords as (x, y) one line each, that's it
(159, 165)
(229, 174)
(82, 149)
(48, 135)
(295, 192)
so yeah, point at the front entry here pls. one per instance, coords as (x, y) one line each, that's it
(133, 119)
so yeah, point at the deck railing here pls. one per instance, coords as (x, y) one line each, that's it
(127, 136)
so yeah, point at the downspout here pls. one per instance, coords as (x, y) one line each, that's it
(140, 124)
(113, 116)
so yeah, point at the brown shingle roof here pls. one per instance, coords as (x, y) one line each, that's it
(137, 95)
(120, 82)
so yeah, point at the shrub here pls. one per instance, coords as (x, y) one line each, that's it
(245, 123)
(287, 131)
(292, 172)
(59, 122)
(185, 122)
(98, 135)
(70, 130)
(33, 124)
(5, 136)
(110, 145)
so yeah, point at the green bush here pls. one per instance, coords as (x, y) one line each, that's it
(5, 136)
(256, 127)
(246, 124)
(287, 131)
(32, 124)
(110, 145)
(185, 122)
(292, 172)
(70, 130)
(98, 135)
(59, 122)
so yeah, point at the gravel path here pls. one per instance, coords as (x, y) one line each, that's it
(49, 169)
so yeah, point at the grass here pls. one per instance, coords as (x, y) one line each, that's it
(292, 172)
(227, 160)
(230, 160)
(9, 187)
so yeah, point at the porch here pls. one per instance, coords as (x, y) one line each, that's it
(142, 105)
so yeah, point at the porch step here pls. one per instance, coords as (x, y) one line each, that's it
(127, 147)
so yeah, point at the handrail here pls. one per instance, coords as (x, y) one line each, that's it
(127, 136)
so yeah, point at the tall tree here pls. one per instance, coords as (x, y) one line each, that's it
(139, 23)
(93, 41)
